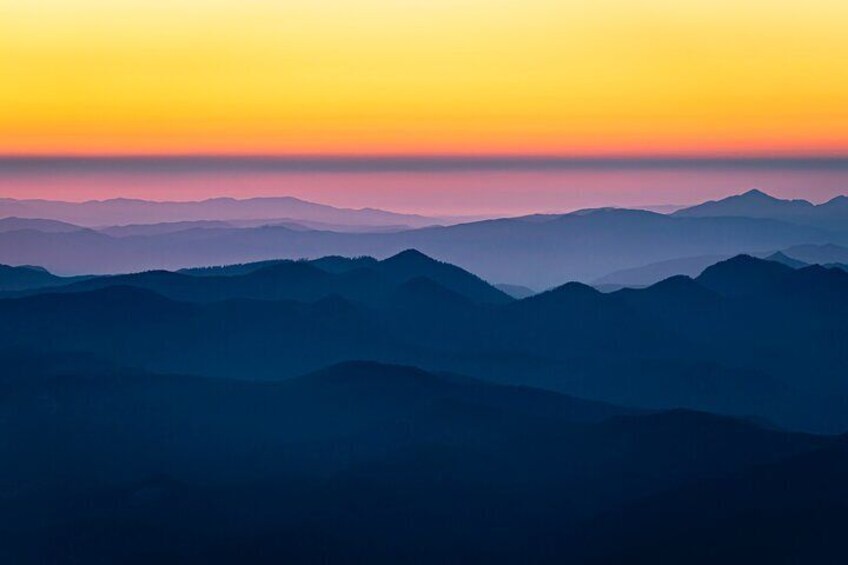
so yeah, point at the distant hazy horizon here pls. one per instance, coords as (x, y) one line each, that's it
(434, 186)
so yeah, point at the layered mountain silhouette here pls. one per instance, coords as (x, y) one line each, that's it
(534, 251)
(362, 280)
(359, 461)
(740, 339)
(275, 381)
(399, 409)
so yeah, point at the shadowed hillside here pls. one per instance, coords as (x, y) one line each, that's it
(381, 463)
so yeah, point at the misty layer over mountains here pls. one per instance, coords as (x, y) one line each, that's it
(394, 407)
(537, 252)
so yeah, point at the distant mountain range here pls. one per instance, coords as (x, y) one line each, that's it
(832, 214)
(123, 211)
(536, 252)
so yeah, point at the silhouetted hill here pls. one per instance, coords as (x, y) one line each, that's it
(364, 279)
(674, 298)
(747, 276)
(27, 277)
(411, 264)
(744, 275)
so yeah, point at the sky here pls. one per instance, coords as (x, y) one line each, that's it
(423, 77)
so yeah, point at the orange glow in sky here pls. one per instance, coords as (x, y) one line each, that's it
(567, 77)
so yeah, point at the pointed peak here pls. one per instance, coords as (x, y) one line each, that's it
(743, 263)
(410, 255)
(756, 193)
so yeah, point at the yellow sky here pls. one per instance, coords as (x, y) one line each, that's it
(423, 76)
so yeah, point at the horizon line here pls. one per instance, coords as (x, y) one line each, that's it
(12, 163)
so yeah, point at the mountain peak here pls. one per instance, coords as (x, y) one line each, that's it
(753, 204)
(756, 194)
(410, 256)
(570, 290)
(743, 261)
(743, 274)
